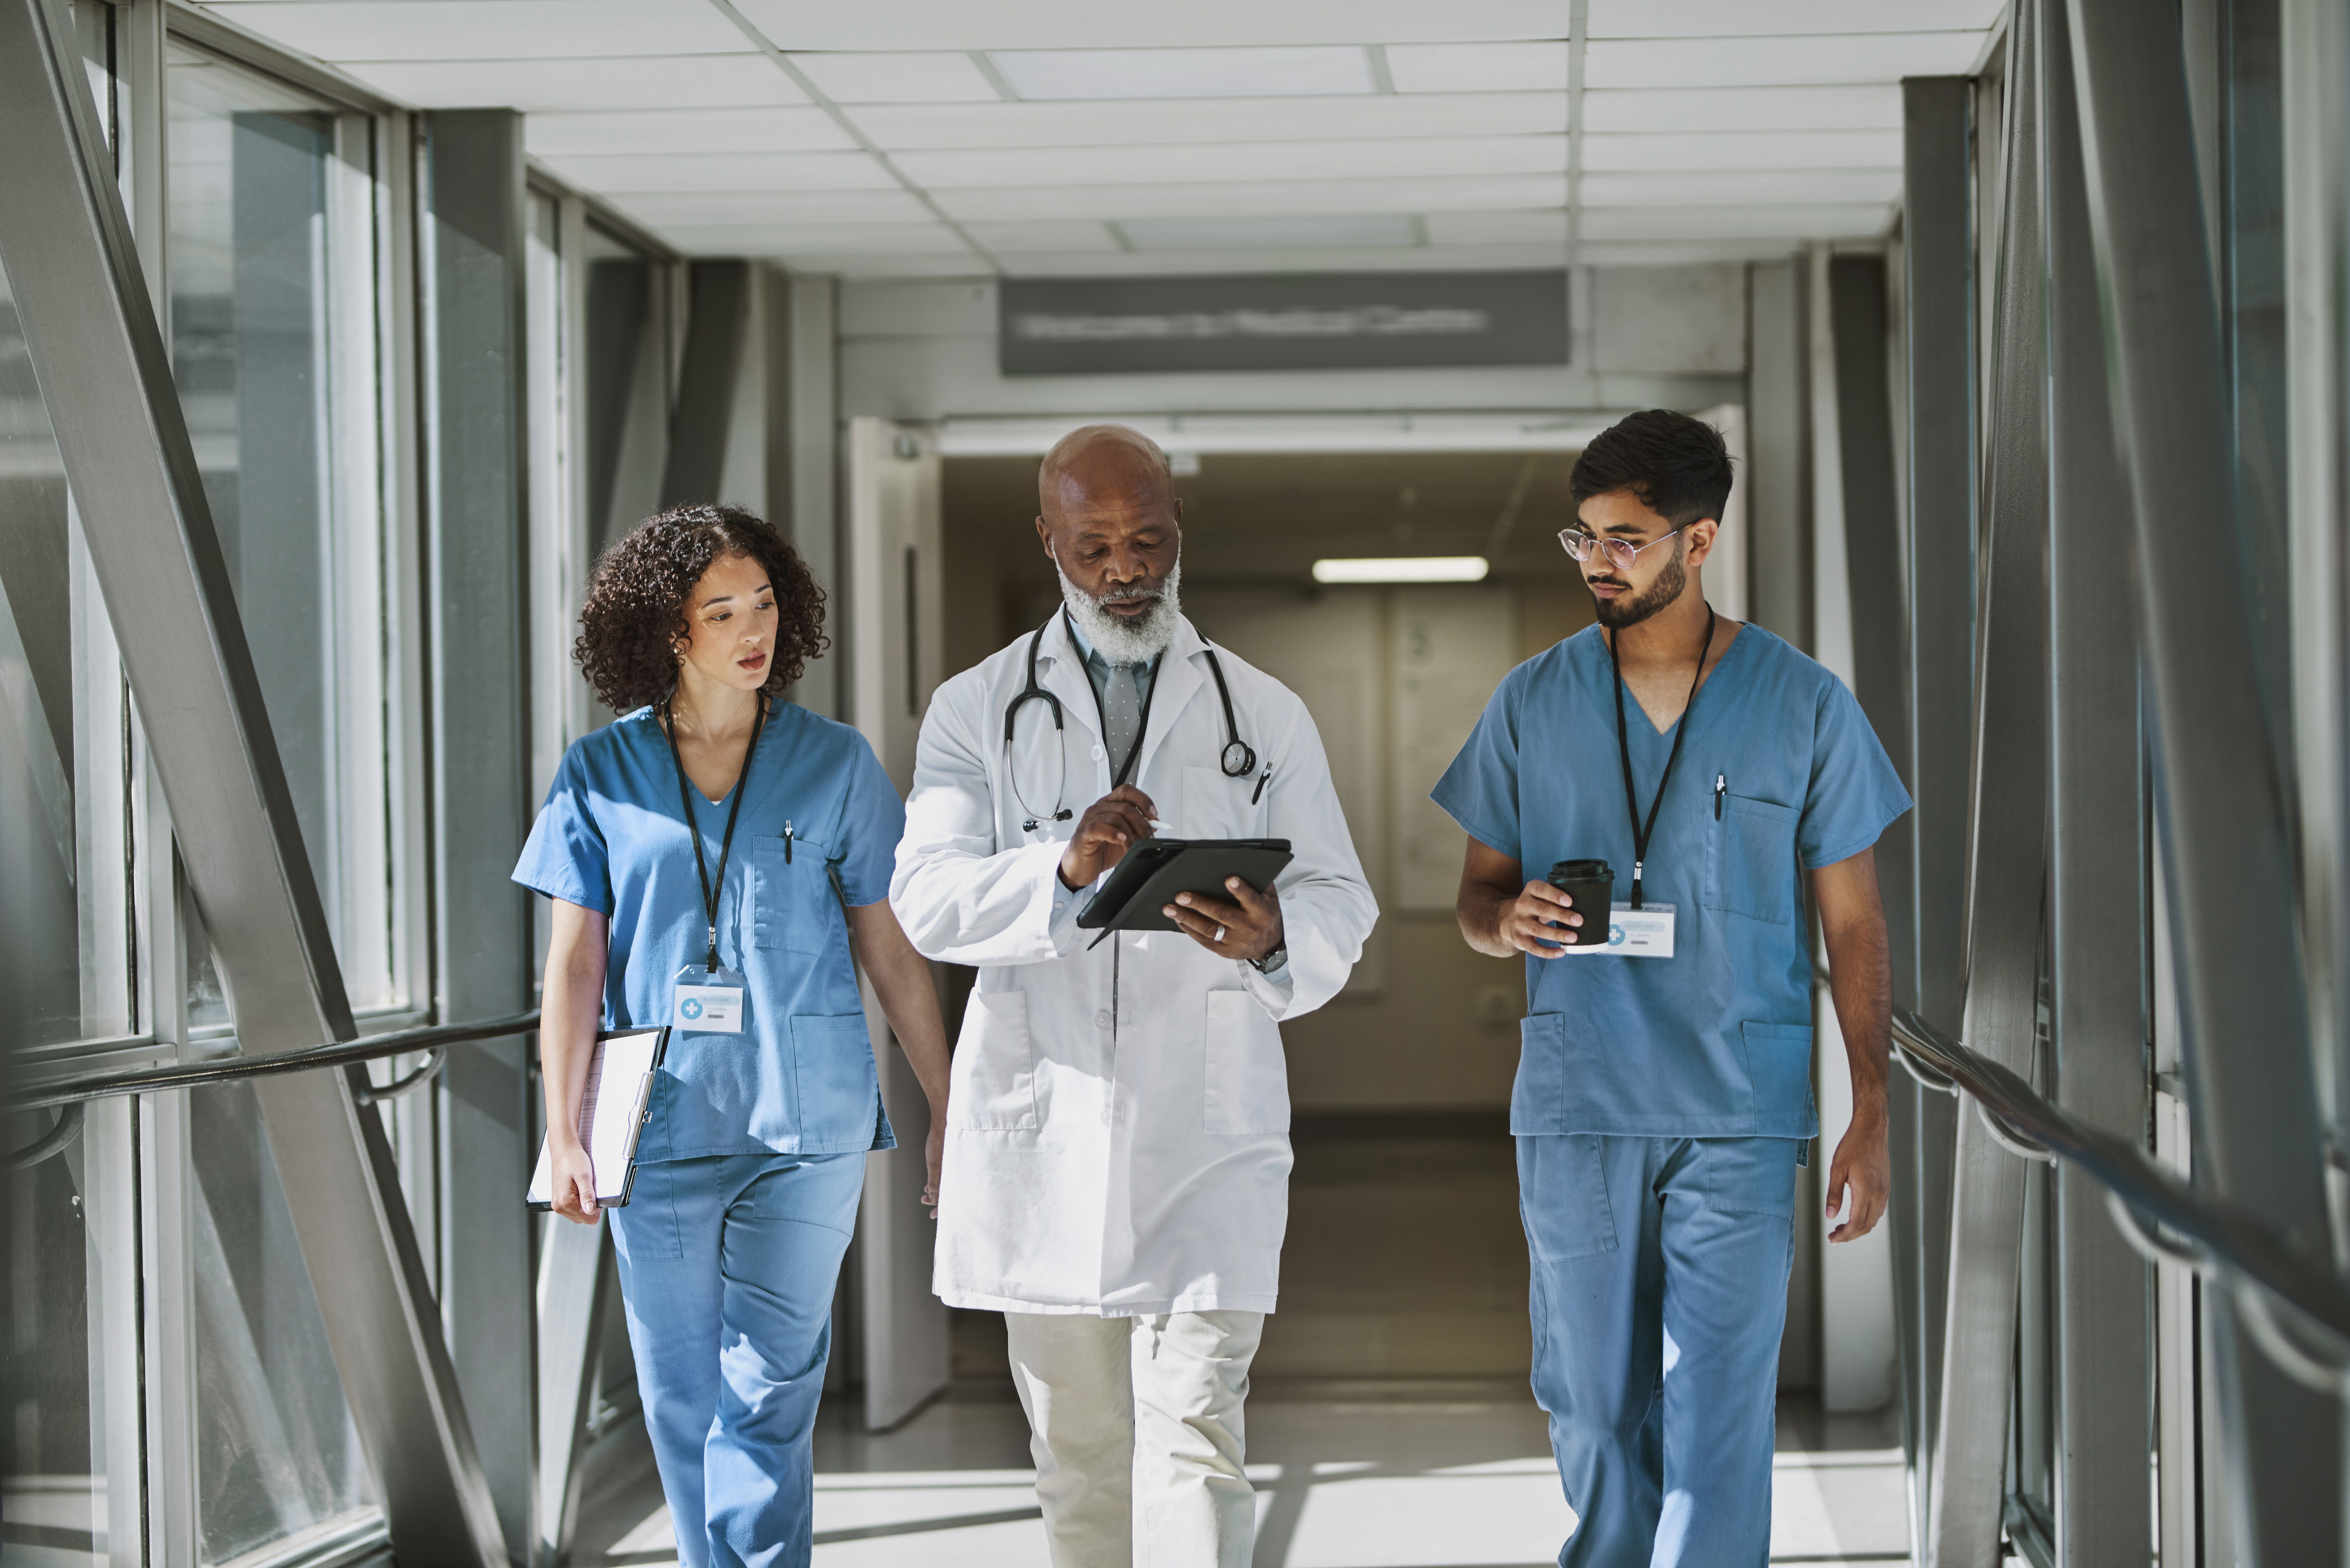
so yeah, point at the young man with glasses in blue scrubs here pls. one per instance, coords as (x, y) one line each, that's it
(1663, 1099)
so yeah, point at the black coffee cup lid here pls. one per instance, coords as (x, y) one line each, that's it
(1583, 871)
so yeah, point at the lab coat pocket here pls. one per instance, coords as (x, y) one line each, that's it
(1538, 1097)
(792, 903)
(1215, 806)
(833, 1072)
(1754, 859)
(992, 1084)
(1247, 1076)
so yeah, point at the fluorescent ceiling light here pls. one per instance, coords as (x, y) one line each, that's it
(1305, 230)
(1402, 569)
(1306, 71)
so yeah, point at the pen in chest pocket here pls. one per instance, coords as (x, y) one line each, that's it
(1721, 785)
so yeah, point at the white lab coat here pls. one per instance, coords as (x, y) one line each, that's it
(1118, 1119)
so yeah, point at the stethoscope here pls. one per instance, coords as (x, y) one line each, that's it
(1239, 758)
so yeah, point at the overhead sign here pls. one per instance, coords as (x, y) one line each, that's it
(1328, 321)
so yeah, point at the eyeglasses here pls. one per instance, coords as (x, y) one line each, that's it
(1619, 554)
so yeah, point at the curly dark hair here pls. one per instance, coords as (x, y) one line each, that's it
(635, 612)
(1677, 466)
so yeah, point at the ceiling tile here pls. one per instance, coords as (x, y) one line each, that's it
(660, 81)
(723, 172)
(1793, 187)
(659, 210)
(1090, 25)
(1518, 66)
(785, 238)
(1235, 161)
(881, 264)
(491, 29)
(1071, 235)
(1870, 108)
(1270, 196)
(1527, 227)
(1733, 18)
(1161, 73)
(686, 131)
(1862, 220)
(1309, 231)
(1778, 62)
(1148, 264)
(1148, 122)
(933, 77)
(1743, 150)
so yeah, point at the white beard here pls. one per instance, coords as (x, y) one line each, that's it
(1126, 641)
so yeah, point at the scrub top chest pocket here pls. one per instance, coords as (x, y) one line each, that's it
(793, 909)
(1753, 850)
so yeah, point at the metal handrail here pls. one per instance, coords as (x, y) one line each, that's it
(2230, 1237)
(228, 1069)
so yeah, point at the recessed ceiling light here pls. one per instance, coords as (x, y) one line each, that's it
(1305, 71)
(1281, 231)
(1402, 569)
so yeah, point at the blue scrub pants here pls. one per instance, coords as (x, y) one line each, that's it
(728, 1266)
(1660, 1294)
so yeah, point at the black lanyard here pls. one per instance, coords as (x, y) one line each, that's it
(1624, 746)
(693, 827)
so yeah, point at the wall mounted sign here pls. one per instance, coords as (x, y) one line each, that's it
(1327, 321)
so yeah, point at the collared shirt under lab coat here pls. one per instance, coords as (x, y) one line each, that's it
(1117, 1121)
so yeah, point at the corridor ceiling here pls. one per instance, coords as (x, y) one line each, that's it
(891, 137)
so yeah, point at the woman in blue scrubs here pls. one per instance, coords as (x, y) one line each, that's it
(704, 849)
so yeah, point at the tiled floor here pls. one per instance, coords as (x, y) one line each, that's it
(1389, 1426)
(1346, 1476)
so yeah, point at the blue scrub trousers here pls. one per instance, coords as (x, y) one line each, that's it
(1660, 1294)
(728, 1265)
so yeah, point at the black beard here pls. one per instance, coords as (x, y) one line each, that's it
(1618, 613)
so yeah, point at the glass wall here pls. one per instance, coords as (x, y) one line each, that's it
(272, 307)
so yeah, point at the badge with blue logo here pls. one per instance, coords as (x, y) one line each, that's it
(708, 1000)
(1633, 933)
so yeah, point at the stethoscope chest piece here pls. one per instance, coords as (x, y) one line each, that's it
(1239, 759)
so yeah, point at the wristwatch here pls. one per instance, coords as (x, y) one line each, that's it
(1272, 960)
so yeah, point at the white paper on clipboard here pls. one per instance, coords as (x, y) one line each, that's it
(612, 1113)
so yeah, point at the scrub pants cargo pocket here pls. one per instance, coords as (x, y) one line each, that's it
(991, 1081)
(1563, 1199)
(1752, 1176)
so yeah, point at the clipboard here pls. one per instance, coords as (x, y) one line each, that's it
(1156, 869)
(612, 1110)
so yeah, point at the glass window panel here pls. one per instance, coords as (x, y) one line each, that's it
(53, 1471)
(271, 293)
(275, 1448)
(68, 943)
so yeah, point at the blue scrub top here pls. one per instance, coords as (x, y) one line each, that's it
(1715, 1041)
(800, 1078)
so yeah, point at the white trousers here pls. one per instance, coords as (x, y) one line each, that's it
(1135, 1424)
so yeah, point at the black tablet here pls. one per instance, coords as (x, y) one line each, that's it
(1156, 869)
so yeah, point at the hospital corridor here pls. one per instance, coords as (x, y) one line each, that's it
(1049, 783)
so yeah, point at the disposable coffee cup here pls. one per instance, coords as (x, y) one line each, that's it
(1590, 883)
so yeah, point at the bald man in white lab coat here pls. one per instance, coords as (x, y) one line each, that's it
(1116, 1173)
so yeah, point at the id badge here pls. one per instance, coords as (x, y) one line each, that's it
(707, 1002)
(1634, 933)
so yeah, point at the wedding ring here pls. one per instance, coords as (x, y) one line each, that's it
(1220, 933)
